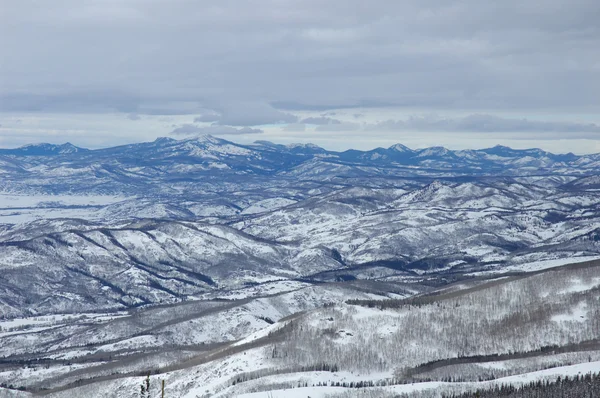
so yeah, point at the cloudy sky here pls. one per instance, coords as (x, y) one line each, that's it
(339, 73)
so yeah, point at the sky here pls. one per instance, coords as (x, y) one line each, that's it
(339, 73)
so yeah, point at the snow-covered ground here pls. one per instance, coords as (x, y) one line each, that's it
(36, 324)
(326, 392)
(539, 265)
(18, 209)
(14, 201)
(218, 242)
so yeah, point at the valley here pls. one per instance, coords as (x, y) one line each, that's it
(240, 270)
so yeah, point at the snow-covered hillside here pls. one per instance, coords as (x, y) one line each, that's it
(514, 329)
(163, 255)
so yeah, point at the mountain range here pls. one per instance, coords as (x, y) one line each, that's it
(112, 256)
(170, 219)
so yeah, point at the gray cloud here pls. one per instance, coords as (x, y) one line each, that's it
(482, 123)
(310, 55)
(133, 116)
(250, 113)
(339, 127)
(207, 118)
(259, 62)
(68, 101)
(319, 120)
(191, 129)
(295, 127)
(246, 113)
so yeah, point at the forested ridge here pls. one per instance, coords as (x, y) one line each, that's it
(512, 319)
(586, 386)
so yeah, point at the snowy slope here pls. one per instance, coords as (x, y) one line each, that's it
(364, 343)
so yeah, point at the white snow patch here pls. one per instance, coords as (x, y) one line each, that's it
(578, 314)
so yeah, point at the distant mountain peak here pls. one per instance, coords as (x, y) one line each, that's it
(433, 151)
(39, 145)
(165, 140)
(435, 185)
(70, 148)
(400, 148)
(304, 146)
(265, 143)
(44, 149)
(206, 139)
(506, 151)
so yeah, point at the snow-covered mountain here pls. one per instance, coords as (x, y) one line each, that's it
(167, 220)
(43, 150)
(177, 164)
(338, 339)
(137, 247)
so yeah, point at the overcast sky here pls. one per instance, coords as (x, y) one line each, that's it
(339, 73)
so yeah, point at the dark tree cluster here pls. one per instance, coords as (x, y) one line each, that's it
(587, 386)
(248, 376)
